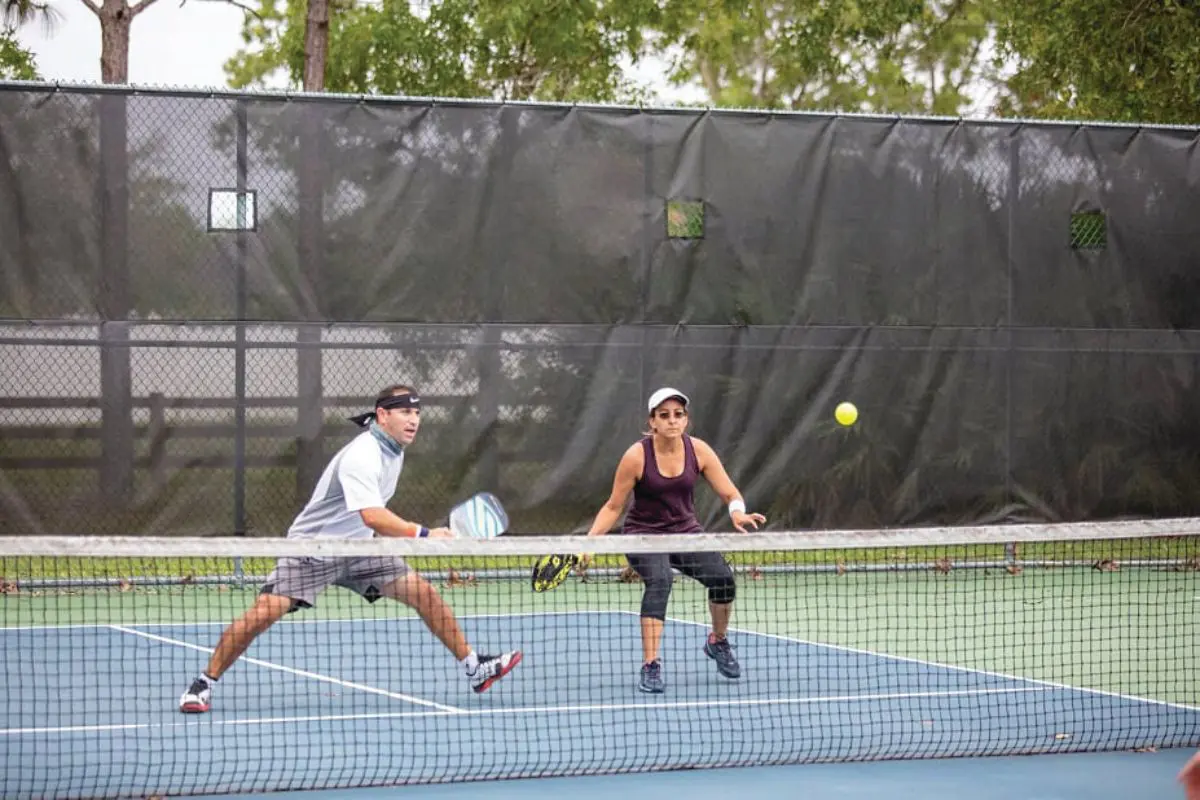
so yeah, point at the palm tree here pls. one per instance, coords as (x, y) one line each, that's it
(20, 12)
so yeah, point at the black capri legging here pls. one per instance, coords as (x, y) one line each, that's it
(711, 569)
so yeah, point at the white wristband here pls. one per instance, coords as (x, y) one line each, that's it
(736, 506)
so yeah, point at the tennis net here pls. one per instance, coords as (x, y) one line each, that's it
(853, 645)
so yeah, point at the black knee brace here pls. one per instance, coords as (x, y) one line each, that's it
(723, 591)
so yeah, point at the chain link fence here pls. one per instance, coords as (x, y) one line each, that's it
(197, 290)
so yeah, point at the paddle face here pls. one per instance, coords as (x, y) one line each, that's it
(550, 571)
(480, 516)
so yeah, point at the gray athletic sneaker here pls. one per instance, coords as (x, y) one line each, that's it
(652, 680)
(719, 650)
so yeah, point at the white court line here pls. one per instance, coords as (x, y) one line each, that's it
(877, 654)
(587, 709)
(293, 671)
(762, 701)
(209, 623)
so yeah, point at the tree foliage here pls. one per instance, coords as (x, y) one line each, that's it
(811, 54)
(889, 56)
(1121, 60)
(533, 49)
(16, 62)
(19, 12)
(1080, 58)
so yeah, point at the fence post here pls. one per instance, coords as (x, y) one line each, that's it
(649, 230)
(488, 400)
(157, 433)
(239, 353)
(310, 187)
(116, 421)
(1010, 362)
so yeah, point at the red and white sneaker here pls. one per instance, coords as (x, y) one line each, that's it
(197, 699)
(492, 669)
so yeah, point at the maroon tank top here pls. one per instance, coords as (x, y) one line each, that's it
(664, 505)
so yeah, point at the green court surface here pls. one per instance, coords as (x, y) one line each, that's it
(1118, 631)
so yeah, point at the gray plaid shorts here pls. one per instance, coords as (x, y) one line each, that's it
(302, 578)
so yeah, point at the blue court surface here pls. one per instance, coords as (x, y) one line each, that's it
(1074, 776)
(325, 704)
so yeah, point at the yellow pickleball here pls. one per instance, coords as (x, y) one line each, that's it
(845, 413)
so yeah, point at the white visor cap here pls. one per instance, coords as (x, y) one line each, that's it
(665, 394)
